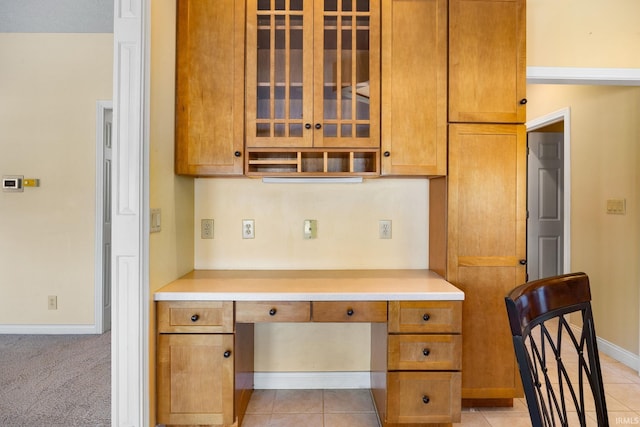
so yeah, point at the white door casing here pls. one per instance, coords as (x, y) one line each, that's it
(130, 223)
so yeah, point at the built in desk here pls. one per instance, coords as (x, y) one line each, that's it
(205, 338)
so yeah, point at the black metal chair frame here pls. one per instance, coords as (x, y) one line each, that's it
(529, 307)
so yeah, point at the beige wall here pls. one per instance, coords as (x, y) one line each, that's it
(347, 216)
(171, 249)
(605, 160)
(583, 33)
(49, 85)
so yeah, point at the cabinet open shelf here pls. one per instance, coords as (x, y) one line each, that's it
(312, 162)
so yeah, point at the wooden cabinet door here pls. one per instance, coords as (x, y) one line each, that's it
(209, 87)
(487, 61)
(279, 75)
(313, 74)
(486, 244)
(414, 87)
(195, 379)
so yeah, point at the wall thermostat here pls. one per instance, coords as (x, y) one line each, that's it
(12, 183)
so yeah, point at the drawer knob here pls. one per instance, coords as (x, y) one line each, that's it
(350, 312)
(195, 318)
(425, 399)
(272, 312)
(426, 317)
(227, 354)
(426, 351)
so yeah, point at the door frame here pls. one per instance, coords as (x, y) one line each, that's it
(99, 325)
(563, 115)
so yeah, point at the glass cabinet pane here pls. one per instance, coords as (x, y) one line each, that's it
(346, 33)
(279, 69)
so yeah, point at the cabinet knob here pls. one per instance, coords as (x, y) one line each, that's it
(523, 101)
(227, 354)
(387, 153)
(426, 352)
(307, 125)
(318, 126)
(523, 262)
(195, 318)
(426, 317)
(237, 154)
(425, 399)
(272, 312)
(350, 312)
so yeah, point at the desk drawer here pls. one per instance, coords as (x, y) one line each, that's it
(349, 311)
(423, 397)
(195, 316)
(425, 352)
(425, 317)
(272, 311)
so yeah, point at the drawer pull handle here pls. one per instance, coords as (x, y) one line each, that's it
(426, 317)
(350, 312)
(272, 312)
(227, 354)
(426, 352)
(195, 318)
(425, 399)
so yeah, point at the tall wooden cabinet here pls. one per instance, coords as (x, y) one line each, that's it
(482, 202)
(209, 87)
(414, 87)
(487, 248)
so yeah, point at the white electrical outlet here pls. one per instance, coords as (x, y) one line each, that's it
(248, 229)
(206, 229)
(384, 228)
(52, 302)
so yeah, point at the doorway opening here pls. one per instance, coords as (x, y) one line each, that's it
(104, 122)
(549, 195)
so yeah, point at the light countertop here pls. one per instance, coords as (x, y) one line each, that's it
(309, 285)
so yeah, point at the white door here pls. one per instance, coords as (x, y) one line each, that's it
(106, 221)
(545, 198)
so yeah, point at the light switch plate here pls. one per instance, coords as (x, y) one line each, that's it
(154, 227)
(310, 229)
(617, 206)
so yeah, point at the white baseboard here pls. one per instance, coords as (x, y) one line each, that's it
(620, 354)
(311, 380)
(49, 329)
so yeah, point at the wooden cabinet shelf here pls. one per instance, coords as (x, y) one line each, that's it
(312, 162)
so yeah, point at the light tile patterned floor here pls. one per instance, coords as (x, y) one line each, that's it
(354, 408)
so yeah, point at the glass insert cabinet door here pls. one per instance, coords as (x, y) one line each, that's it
(313, 73)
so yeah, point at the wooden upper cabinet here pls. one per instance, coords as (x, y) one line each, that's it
(313, 74)
(209, 87)
(414, 87)
(487, 61)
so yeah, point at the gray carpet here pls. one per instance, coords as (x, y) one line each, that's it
(55, 380)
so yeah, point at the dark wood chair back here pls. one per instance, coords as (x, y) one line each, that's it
(559, 364)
